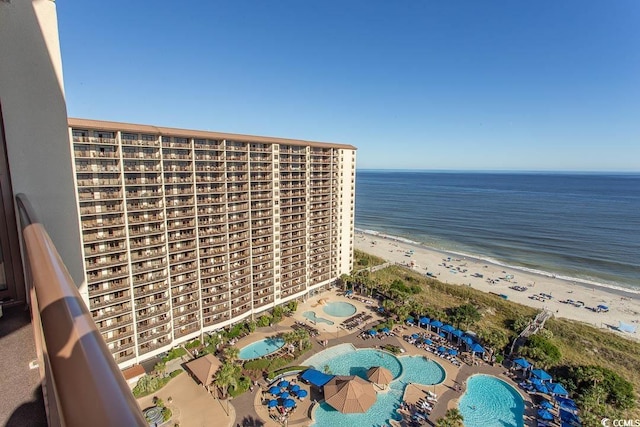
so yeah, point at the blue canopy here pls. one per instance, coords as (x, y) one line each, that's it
(540, 387)
(289, 403)
(349, 292)
(415, 336)
(274, 390)
(477, 348)
(441, 349)
(544, 414)
(457, 332)
(522, 362)
(427, 341)
(442, 334)
(301, 393)
(541, 373)
(272, 403)
(537, 381)
(556, 388)
(284, 395)
(603, 307)
(380, 309)
(436, 324)
(569, 417)
(385, 330)
(425, 321)
(294, 387)
(566, 403)
(409, 319)
(316, 377)
(283, 383)
(447, 328)
(467, 340)
(373, 332)
(453, 351)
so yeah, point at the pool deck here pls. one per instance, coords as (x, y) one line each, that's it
(252, 407)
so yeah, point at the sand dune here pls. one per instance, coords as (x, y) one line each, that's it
(487, 277)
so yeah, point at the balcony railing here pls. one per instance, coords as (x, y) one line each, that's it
(81, 382)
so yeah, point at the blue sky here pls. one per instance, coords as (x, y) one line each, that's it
(468, 85)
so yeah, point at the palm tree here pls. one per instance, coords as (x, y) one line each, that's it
(227, 376)
(301, 335)
(452, 418)
(231, 353)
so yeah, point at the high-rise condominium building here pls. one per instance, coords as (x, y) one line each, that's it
(185, 232)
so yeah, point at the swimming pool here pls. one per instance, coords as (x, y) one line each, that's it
(260, 348)
(489, 401)
(311, 315)
(340, 309)
(345, 360)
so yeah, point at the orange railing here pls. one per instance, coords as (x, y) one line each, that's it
(81, 382)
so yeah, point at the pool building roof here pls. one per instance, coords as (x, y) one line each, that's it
(316, 377)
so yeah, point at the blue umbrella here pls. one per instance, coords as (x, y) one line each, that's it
(274, 390)
(283, 384)
(380, 309)
(544, 414)
(537, 381)
(295, 388)
(373, 332)
(546, 404)
(467, 340)
(385, 330)
(522, 362)
(477, 348)
(427, 341)
(272, 403)
(284, 395)
(540, 388)
(556, 388)
(448, 328)
(409, 319)
(425, 321)
(289, 403)
(436, 324)
(457, 333)
(442, 334)
(453, 351)
(349, 292)
(441, 349)
(302, 393)
(541, 373)
(566, 403)
(415, 336)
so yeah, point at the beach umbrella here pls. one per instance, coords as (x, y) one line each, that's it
(425, 321)
(467, 340)
(385, 330)
(457, 333)
(540, 387)
(349, 292)
(569, 418)
(415, 336)
(436, 324)
(283, 384)
(546, 404)
(274, 390)
(409, 319)
(477, 348)
(301, 393)
(380, 309)
(522, 362)
(289, 403)
(349, 394)
(556, 388)
(272, 403)
(566, 403)
(545, 415)
(373, 332)
(427, 341)
(453, 352)
(537, 381)
(442, 349)
(541, 373)
(284, 395)
(294, 388)
(442, 334)
(379, 375)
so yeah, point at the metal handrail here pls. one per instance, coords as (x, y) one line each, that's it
(81, 382)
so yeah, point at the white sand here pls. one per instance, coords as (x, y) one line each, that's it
(623, 306)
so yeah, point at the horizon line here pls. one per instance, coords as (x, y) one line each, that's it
(523, 171)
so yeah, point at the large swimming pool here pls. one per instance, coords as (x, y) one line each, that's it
(260, 348)
(339, 309)
(345, 360)
(311, 315)
(489, 401)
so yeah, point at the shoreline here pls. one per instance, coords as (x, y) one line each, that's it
(497, 278)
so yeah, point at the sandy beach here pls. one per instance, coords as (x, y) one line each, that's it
(480, 274)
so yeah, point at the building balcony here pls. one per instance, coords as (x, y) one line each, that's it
(107, 287)
(153, 323)
(111, 324)
(151, 346)
(109, 312)
(143, 313)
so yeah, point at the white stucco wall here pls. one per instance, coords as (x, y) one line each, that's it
(35, 118)
(346, 214)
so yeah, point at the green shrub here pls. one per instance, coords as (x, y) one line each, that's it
(193, 344)
(257, 364)
(243, 385)
(264, 321)
(174, 354)
(166, 414)
(275, 373)
(236, 331)
(175, 373)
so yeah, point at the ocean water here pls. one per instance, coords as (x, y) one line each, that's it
(584, 227)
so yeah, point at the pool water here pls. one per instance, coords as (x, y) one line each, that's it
(260, 348)
(489, 401)
(340, 309)
(311, 315)
(405, 370)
